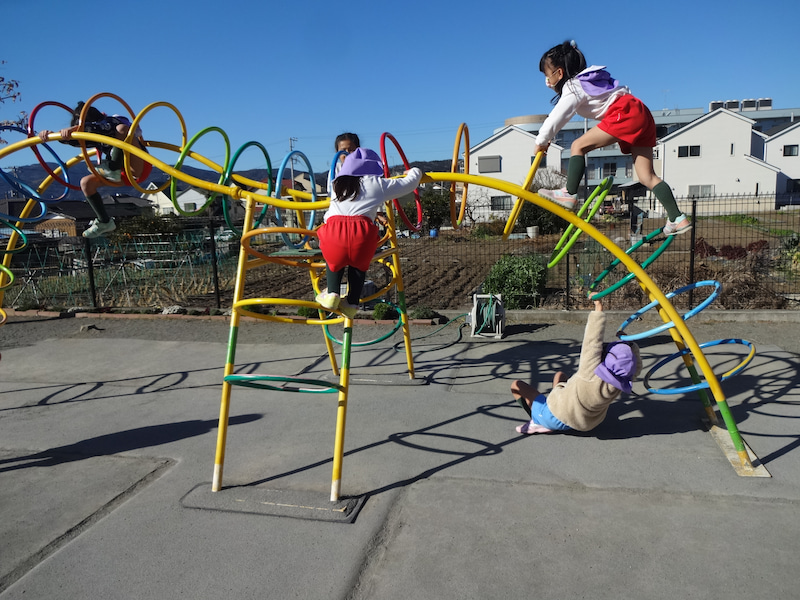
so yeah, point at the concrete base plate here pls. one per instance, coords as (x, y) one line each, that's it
(296, 504)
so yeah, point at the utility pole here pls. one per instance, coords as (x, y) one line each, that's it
(292, 140)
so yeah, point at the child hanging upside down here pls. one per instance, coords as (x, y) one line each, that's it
(581, 402)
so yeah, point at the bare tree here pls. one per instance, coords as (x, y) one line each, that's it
(9, 90)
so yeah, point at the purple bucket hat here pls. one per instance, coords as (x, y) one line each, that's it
(362, 161)
(618, 367)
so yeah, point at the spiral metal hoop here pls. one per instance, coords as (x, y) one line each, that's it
(312, 216)
(702, 384)
(132, 135)
(456, 222)
(397, 206)
(82, 128)
(638, 336)
(32, 133)
(228, 176)
(647, 262)
(599, 193)
(517, 209)
(173, 189)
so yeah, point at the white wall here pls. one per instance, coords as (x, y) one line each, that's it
(515, 147)
(789, 165)
(725, 141)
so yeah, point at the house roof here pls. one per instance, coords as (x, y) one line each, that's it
(712, 115)
(777, 132)
(501, 133)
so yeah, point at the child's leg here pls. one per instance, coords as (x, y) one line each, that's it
(591, 140)
(355, 284)
(89, 186)
(116, 157)
(524, 393)
(643, 164)
(334, 279)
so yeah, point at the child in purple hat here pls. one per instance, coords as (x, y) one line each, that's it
(581, 402)
(348, 236)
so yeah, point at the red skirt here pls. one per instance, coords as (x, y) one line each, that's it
(631, 122)
(348, 242)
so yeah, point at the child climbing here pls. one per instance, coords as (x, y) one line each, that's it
(593, 94)
(348, 236)
(110, 168)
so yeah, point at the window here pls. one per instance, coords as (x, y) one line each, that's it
(609, 169)
(501, 203)
(701, 191)
(629, 169)
(793, 186)
(489, 164)
(684, 151)
(190, 206)
(732, 154)
(790, 150)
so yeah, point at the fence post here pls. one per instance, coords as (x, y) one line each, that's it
(693, 233)
(87, 243)
(214, 271)
(566, 284)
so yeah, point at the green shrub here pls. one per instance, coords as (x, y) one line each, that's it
(532, 215)
(384, 312)
(307, 311)
(422, 312)
(520, 280)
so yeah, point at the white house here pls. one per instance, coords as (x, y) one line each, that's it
(507, 155)
(719, 154)
(189, 200)
(781, 150)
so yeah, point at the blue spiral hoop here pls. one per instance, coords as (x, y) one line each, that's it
(313, 214)
(638, 336)
(702, 384)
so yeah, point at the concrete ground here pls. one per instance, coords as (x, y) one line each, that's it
(108, 429)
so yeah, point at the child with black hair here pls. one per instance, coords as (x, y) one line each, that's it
(593, 94)
(581, 402)
(109, 168)
(348, 236)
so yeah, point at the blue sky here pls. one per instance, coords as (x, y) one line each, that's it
(271, 71)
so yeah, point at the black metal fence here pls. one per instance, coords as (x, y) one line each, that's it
(749, 246)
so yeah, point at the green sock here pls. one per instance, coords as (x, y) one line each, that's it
(334, 280)
(575, 169)
(664, 195)
(96, 202)
(115, 158)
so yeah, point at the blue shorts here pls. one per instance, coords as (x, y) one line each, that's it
(541, 415)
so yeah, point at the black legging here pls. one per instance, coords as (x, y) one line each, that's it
(355, 283)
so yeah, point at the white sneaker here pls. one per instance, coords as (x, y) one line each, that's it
(677, 227)
(328, 300)
(98, 229)
(561, 197)
(347, 309)
(105, 172)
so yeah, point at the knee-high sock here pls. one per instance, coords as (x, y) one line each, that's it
(115, 159)
(355, 283)
(96, 202)
(575, 170)
(664, 195)
(334, 279)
